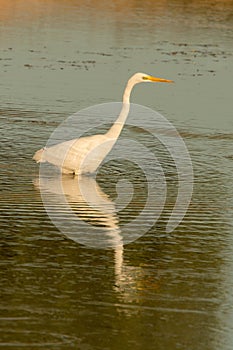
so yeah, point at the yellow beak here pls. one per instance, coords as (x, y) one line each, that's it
(160, 80)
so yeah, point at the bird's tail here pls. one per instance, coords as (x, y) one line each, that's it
(38, 156)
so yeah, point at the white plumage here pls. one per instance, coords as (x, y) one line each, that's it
(84, 155)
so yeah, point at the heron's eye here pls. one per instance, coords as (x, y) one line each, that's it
(145, 78)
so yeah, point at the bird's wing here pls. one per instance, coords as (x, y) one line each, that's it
(82, 155)
(57, 154)
(86, 154)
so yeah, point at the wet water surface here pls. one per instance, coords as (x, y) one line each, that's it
(164, 290)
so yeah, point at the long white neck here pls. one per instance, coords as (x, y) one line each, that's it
(115, 130)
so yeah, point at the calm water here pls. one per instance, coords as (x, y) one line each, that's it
(164, 291)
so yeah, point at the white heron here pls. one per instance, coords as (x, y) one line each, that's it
(85, 154)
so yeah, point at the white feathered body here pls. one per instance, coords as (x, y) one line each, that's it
(77, 156)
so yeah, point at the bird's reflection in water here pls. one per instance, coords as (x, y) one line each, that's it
(83, 199)
(81, 210)
(96, 223)
(94, 212)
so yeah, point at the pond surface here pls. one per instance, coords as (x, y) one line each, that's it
(164, 290)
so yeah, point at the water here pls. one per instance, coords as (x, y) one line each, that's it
(164, 291)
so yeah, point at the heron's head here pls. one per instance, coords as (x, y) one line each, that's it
(145, 78)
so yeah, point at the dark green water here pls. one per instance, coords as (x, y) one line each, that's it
(164, 291)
